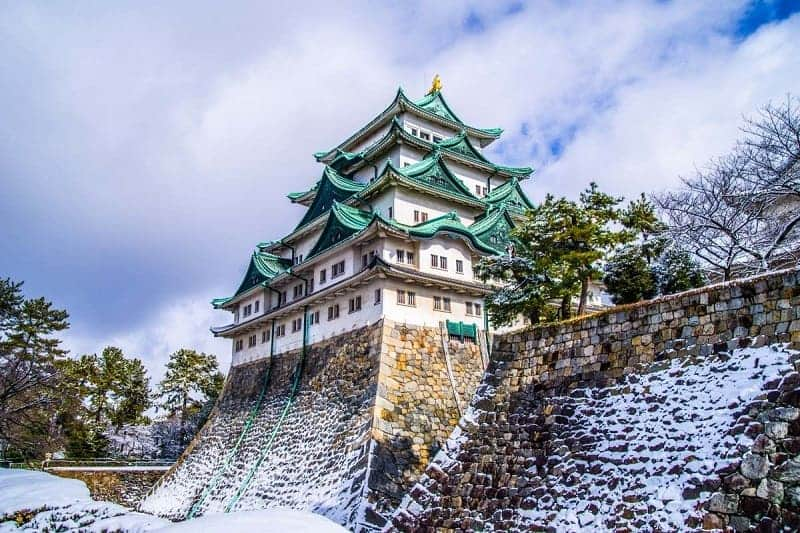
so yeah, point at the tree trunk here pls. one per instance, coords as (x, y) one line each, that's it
(183, 420)
(565, 301)
(584, 296)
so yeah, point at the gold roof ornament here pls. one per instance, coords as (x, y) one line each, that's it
(436, 86)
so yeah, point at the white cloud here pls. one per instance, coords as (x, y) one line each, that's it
(182, 323)
(167, 136)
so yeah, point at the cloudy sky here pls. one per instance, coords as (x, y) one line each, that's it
(146, 148)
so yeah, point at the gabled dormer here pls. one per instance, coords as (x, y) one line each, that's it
(262, 268)
(511, 196)
(330, 188)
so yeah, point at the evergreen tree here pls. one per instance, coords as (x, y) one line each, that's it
(676, 271)
(112, 391)
(628, 277)
(192, 379)
(29, 373)
(559, 246)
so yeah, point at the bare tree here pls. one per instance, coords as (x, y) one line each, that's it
(743, 210)
(771, 149)
(713, 216)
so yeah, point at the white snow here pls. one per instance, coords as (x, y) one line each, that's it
(27, 489)
(263, 521)
(648, 440)
(61, 504)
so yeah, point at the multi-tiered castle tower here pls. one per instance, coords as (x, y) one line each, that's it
(359, 338)
(403, 209)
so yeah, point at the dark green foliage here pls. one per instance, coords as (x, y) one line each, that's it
(559, 246)
(29, 373)
(192, 380)
(628, 277)
(112, 391)
(677, 271)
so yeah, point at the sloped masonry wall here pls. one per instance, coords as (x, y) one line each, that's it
(315, 459)
(564, 429)
(373, 406)
(422, 391)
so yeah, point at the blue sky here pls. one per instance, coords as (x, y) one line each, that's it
(145, 148)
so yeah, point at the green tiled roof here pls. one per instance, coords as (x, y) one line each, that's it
(343, 222)
(329, 189)
(510, 195)
(446, 223)
(263, 267)
(492, 229)
(434, 106)
(433, 171)
(461, 144)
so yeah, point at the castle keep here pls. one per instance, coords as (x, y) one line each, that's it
(401, 211)
(359, 338)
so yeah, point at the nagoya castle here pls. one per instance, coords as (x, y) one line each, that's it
(359, 338)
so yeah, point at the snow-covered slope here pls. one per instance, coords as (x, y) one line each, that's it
(50, 503)
(644, 454)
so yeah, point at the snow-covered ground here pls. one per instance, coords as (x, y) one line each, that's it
(642, 455)
(51, 503)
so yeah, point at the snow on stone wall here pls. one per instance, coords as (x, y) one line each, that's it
(318, 457)
(668, 415)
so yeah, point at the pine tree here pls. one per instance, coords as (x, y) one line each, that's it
(192, 378)
(29, 373)
(628, 277)
(676, 271)
(559, 246)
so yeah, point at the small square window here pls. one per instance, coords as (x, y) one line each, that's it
(425, 135)
(424, 216)
(437, 139)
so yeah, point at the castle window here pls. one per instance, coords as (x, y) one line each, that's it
(322, 275)
(313, 318)
(333, 312)
(446, 304)
(337, 269)
(280, 331)
(459, 266)
(391, 212)
(485, 191)
(401, 256)
(434, 261)
(425, 135)
(443, 263)
(297, 291)
(377, 296)
(248, 310)
(238, 345)
(439, 262)
(416, 215)
(364, 261)
(414, 132)
(424, 216)
(264, 336)
(410, 258)
(406, 164)
(412, 298)
(437, 139)
(297, 325)
(477, 190)
(469, 308)
(437, 303)
(251, 341)
(256, 306)
(355, 304)
(401, 297)
(478, 309)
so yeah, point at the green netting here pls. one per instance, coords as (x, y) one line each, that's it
(459, 329)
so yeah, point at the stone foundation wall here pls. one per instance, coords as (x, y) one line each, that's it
(499, 466)
(417, 404)
(318, 444)
(125, 487)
